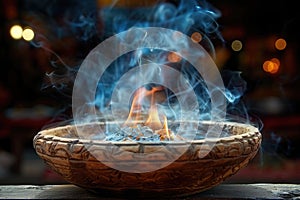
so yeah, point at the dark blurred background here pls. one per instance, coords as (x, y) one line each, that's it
(261, 40)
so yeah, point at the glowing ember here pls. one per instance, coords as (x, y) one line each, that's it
(153, 120)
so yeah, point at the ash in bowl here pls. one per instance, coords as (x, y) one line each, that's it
(143, 133)
(137, 133)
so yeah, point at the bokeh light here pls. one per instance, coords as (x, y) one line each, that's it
(236, 45)
(16, 32)
(280, 44)
(196, 37)
(271, 66)
(173, 57)
(28, 34)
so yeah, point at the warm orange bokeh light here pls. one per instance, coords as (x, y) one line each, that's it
(271, 66)
(280, 44)
(153, 120)
(196, 37)
(174, 57)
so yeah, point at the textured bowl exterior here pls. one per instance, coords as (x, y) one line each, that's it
(70, 157)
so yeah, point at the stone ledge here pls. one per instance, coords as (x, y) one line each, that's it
(223, 191)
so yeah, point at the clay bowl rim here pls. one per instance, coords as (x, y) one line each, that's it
(249, 131)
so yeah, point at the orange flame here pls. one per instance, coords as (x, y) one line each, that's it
(136, 108)
(153, 119)
(165, 133)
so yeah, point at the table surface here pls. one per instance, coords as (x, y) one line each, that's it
(222, 191)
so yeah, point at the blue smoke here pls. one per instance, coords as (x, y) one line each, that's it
(89, 25)
(67, 18)
(183, 16)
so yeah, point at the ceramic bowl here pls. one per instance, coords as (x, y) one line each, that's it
(205, 163)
